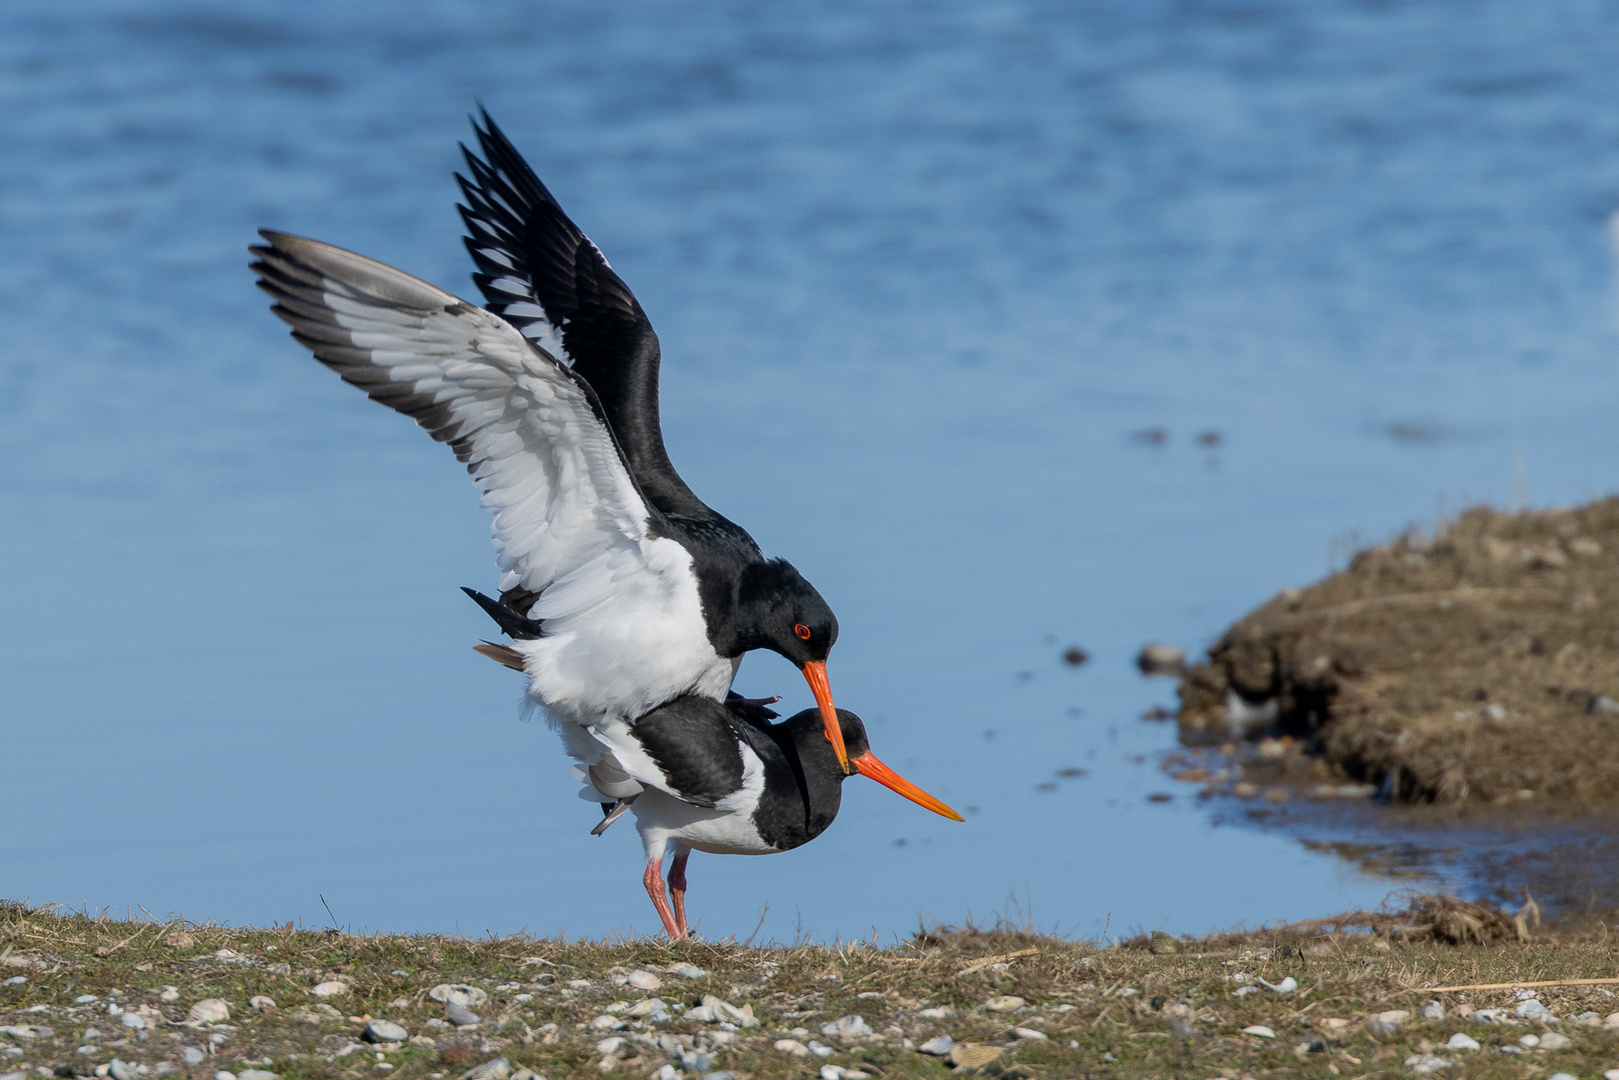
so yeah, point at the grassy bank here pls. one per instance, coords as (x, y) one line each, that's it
(1479, 664)
(1155, 1006)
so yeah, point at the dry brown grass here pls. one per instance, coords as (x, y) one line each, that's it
(1154, 1007)
(1453, 668)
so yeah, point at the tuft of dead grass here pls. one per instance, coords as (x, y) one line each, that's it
(1466, 666)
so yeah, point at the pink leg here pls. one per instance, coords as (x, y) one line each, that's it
(654, 888)
(677, 888)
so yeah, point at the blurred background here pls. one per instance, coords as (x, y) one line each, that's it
(1015, 326)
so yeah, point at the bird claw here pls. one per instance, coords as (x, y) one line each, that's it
(751, 708)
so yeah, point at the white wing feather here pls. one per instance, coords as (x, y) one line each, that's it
(569, 523)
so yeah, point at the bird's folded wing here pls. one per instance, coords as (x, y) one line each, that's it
(566, 512)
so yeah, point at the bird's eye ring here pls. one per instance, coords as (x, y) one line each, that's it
(802, 631)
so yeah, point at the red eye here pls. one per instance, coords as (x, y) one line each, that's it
(802, 631)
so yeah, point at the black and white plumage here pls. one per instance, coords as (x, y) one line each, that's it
(714, 781)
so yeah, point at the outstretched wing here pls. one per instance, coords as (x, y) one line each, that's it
(541, 274)
(568, 519)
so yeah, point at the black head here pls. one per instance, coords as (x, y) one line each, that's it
(778, 610)
(818, 758)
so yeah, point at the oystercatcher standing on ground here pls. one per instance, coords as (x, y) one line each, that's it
(699, 777)
(614, 605)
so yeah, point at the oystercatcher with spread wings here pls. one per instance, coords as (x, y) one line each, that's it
(614, 606)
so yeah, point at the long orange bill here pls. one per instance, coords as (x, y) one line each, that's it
(815, 675)
(868, 765)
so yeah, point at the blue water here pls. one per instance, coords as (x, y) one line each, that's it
(920, 271)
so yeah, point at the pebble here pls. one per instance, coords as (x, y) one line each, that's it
(86, 1051)
(1532, 1008)
(170, 993)
(938, 1046)
(817, 1049)
(838, 1072)
(1462, 1041)
(471, 996)
(224, 1075)
(1530, 1041)
(1286, 986)
(1244, 991)
(84, 999)
(119, 1069)
(1602, 703)
(1611, 1074)
(1259, 1031)
(330, 988)
(612, 1045)
(16, 980)
(942, 1011)
(607, 1022)
(847, 1027)
(1562, 1076)
(134, 1021)
(378, 1031)
(210, 1011)
(1554, 1040)
(1005, 1003)
(644, 980)
(498, 1069)
(647, 1007)
(972, 1055)
(460, 1015)
(257, 1074)
(193, 1056)
(1386, 1023)
(1424, 1064)
(1433, 1011)
(791, 1046)
(1028, 1033)
(688, 971)
(92, 1033)
(261, 1002)
(14, 1076)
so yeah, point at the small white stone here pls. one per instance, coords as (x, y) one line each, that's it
(15, 980)
(688, 971)
(134, 1021)
(120, 1070)
(818, 1050)
(193, 1056)
(257, 1074)
(938, 1046)
(848, 1027)
(612, 1045)
(647, 1008)
(791, 1046)
(1005, 1003)
(462, 994)
(330, 988)
(261, 1002)
(224, 1075)
(1462, 1041)
(1530, 1041)
(939, 1012)
(1555, 1040)
(606, 1022)
(84, 999)
(170, 993)
(1028, 1033)
(1259, 1031)
(210, 1011)
(1244, 991)
(644, 980)
(1286, 986)
(385, 1031)
(1386, 1023)
(1433, 1011)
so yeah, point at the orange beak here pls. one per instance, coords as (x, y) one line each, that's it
(815, 675)
(868, 765)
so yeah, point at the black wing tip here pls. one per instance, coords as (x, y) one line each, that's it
(511, 624)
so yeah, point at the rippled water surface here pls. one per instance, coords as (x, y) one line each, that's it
(920, 272)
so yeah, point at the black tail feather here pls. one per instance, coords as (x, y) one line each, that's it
(510, 622)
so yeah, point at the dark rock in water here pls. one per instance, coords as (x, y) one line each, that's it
(1159, 659)
(1075, 656)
